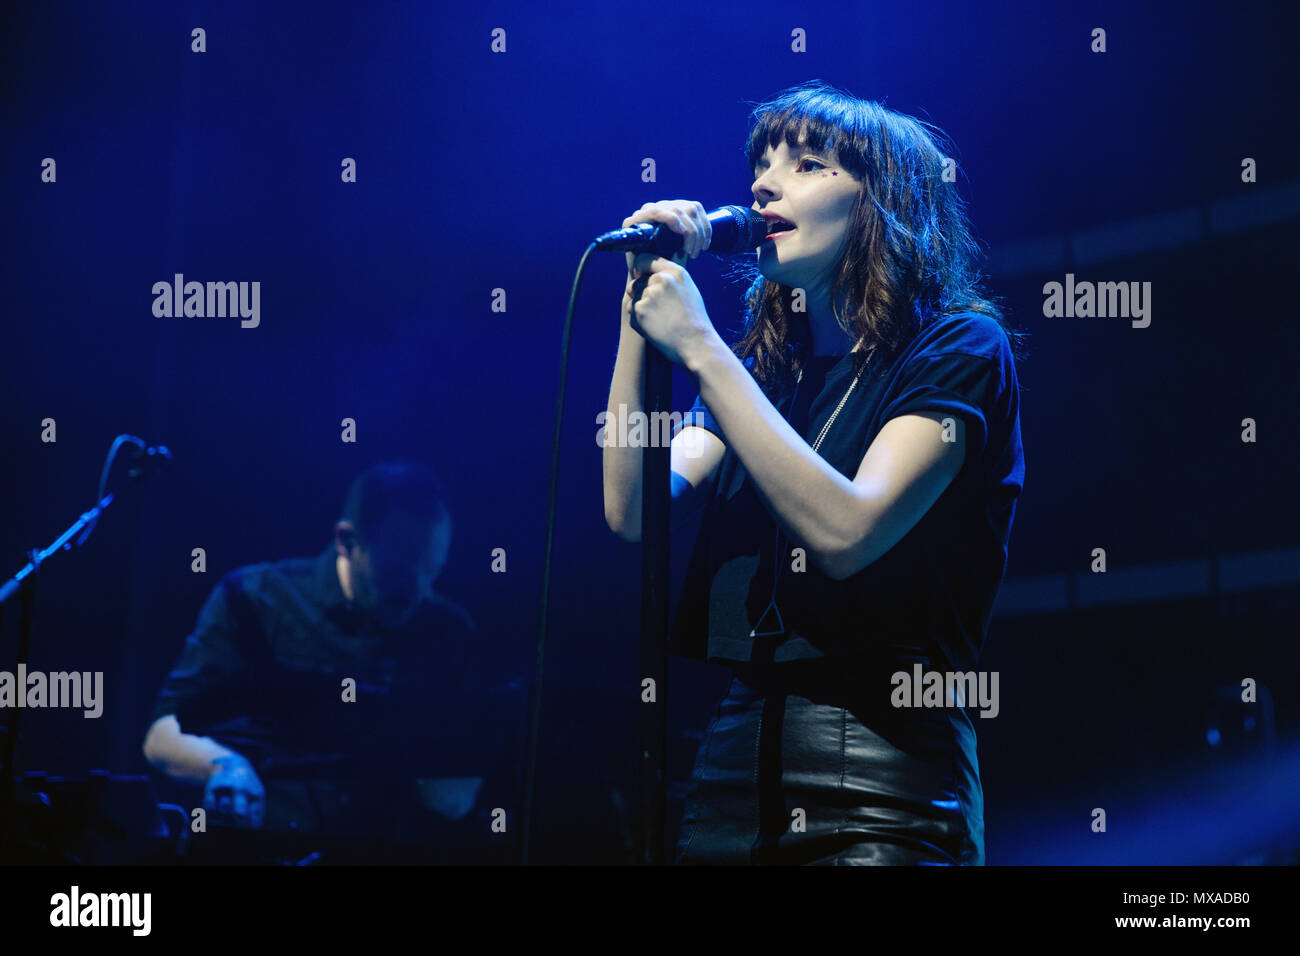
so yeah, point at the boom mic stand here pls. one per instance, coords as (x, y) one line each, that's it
(23, 585)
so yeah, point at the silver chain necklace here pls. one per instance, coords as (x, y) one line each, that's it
(777, 563)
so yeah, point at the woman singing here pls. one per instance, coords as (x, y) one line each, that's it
(859, 453)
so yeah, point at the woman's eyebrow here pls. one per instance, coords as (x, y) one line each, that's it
(795, 151)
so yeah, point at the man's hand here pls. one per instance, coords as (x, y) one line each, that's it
(234, 795)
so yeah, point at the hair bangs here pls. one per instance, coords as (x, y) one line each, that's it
(814, 116)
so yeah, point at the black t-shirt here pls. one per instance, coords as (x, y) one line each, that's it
(929, 597)
(263, 673)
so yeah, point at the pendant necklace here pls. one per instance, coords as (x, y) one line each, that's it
(777, 563)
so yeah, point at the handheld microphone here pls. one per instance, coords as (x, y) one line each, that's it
(736, 229)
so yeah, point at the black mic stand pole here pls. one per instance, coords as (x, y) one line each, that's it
(655, 504)
(743, 229)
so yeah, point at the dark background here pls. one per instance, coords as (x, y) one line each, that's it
(479, 171)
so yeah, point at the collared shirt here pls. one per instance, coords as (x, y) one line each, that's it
(929, 598)
(284, 670)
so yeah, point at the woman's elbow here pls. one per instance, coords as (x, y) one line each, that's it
(843, 559)
(616, 520)
(840, 566)
(831, 564)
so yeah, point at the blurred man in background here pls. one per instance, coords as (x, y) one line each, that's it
(343, 696)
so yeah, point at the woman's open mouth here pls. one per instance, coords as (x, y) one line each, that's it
(778, 227)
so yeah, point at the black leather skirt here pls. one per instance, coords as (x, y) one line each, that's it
(810, 764)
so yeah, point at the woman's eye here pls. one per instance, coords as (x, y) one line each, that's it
(813, 161)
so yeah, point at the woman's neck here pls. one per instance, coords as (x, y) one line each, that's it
(832, 342)
(828, 339)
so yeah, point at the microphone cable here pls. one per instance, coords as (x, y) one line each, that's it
(535, 695)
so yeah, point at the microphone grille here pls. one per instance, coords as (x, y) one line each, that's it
(751, 227)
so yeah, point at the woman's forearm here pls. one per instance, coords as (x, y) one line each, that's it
(814, 504)
(621, 467)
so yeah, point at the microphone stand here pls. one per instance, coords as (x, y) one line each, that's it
(744, 229)
(655, 505)
(23, 585)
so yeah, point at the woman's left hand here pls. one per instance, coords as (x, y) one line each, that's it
(667, 308)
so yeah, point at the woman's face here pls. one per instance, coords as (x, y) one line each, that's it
(814, 193)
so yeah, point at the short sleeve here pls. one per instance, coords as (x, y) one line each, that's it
(962, 373)
(700, 417)
(211, 657)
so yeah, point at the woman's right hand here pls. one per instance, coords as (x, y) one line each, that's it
(682, 216)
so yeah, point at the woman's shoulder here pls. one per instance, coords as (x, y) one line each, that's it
(969, 333)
